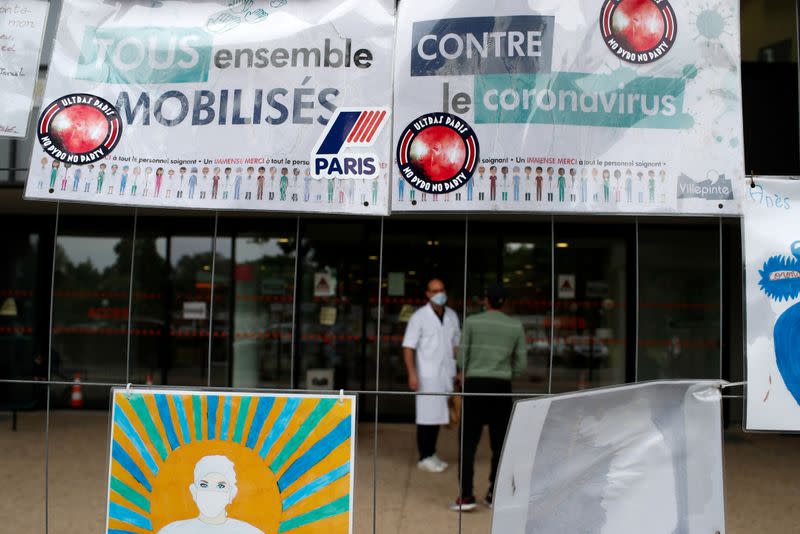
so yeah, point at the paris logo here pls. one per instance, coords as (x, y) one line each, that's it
(79, 129)
(638, 31)
(437, 153)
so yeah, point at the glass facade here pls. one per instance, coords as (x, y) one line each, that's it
(294, 303)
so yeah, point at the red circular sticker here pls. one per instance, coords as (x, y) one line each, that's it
(437, 153)
(638, 31)
(79, 129)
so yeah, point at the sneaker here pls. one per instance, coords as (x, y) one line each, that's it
(489, 497)
(463, 504)
(439, 461)
(430, 465)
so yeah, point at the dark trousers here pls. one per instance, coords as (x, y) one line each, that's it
(479, 411)
(427, 435)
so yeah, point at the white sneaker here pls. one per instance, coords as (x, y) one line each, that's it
(439, 461)
(430, 465)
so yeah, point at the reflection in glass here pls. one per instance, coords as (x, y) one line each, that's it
(264, 281)
(591, 287)
(190, 260)
(90, 311)
(338, 289)
(679, 314)
(518, 257)
(22, 357)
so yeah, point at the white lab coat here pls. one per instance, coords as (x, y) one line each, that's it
(433, 342)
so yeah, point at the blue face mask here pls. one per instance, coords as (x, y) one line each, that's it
(440, 299)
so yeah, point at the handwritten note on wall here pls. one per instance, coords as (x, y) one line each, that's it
(21, 26)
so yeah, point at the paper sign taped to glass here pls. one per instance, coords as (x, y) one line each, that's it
(615, 106)
(271, 105)
(22, 26)
(623, 460)
(772, 291)
(230, 463)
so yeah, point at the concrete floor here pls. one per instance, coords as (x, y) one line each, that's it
(762, 482)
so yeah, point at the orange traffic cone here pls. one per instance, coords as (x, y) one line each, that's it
(148, 380)
(76, 399)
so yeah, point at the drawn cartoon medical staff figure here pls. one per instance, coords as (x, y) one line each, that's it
(295, 176)
(550, 172)
(470, 189)
(89, 178)
(492, 183)
(136, 172)
(213, 489)
(516, 184)
(572, 174)
(331, 185)
(237, 184)
(528, 183)
(114, 169)
(307, 184)
(504, 172)
(41, 174)
(64, 179)
(54, 174)
(123, 180)
(481, 182)
(159, 180)
(248, 188)
(76, 178)
(351, 191)
(340, 184)
(215, 183)
(227, 186)
(401, 188)
(100, 177)
(595, 186)
(584, 185)
(641, 184)
(640, 187)
(651, 187)
(562, 184)
(147, 172)
(204, 183)
(284, 182)
(663, 175)
(261, 179)
(272, 171)
(170, 178)
(192, 182)
(628, 185)
(375, 189)
(617, 185)
(182, 173)
(539, 183)
(606, 185)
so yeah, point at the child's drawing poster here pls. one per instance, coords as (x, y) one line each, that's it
(772, 286)
(184, 462)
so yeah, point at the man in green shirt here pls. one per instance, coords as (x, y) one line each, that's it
(493, 350)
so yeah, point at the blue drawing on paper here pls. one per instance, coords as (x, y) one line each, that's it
(780, 280)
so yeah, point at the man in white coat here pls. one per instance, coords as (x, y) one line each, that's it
(430, 346)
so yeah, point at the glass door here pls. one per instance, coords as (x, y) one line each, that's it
(593, 283)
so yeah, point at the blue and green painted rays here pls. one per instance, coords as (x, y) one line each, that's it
(306, 443)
